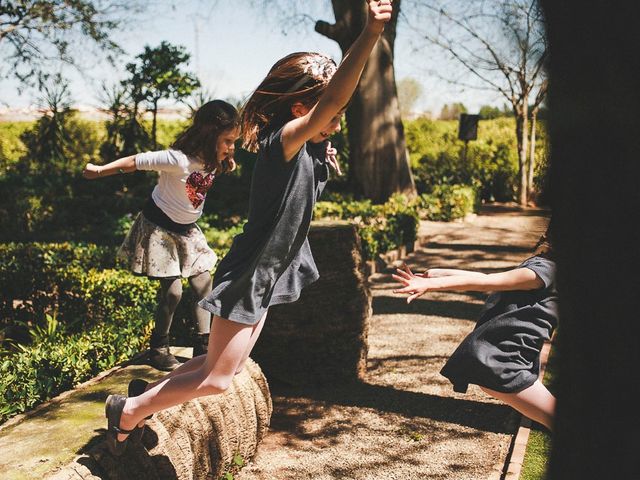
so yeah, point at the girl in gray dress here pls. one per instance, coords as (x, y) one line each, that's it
(288, 120)
(502, 354)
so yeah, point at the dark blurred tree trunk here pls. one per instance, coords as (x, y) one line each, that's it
(378, 160)
(594, 100)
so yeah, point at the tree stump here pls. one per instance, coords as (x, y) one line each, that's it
(197, 440)
(322, 337)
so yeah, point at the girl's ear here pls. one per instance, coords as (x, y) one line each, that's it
(299, 110)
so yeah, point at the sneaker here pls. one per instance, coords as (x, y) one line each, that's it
(162, 359)
(200, 344)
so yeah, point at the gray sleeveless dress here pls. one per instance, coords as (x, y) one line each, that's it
(502, 353)
(270, 262)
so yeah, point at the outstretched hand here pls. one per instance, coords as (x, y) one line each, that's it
(379, 14)
(91, 171)
(412, 284)
(332, 159)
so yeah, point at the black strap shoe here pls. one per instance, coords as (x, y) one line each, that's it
(137, 386)
(113, 411)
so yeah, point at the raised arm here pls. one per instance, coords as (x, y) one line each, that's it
(342, 84)
(516, 279)
(121, 165)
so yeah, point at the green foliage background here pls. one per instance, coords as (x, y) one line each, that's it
(67, 310)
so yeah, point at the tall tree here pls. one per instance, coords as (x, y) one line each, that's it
(535, 109)
(33, 33)
(378, 160)
(498, 44)
(593, 124)
(157, 74)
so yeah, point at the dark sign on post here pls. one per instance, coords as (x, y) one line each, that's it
(468, 128)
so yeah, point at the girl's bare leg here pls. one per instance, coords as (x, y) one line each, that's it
(257, 328)
(228, 345)
(197, 362)
(534, 402)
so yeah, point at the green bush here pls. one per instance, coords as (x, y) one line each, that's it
(395, 223)
(381, 227)
(72, 321)
(12, 149)
(43, 280)
(57, 361)
(447, 202)
(490, 164)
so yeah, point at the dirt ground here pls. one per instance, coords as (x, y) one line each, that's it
(404, 421)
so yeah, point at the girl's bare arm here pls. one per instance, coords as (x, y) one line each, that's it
(516, 279)
(121, 165)
(341, 86)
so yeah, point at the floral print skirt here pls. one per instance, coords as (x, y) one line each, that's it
(158, 253)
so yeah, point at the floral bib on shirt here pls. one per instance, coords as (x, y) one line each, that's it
(197, 187)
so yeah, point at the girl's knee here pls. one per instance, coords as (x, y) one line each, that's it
(215, 384)
(173, 294)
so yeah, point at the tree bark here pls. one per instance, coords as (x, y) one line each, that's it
(378, 161)
(593, 103)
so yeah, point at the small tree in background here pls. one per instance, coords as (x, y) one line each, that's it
(409, 92)
(157, 75)
(47, 140)
(452, 112)
(498, 45)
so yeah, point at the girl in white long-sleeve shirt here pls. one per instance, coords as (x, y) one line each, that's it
(165, 243)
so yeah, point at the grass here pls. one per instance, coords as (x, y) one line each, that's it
(534, 465)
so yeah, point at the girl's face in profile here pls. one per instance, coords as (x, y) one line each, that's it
(225, 145)
(332, 127)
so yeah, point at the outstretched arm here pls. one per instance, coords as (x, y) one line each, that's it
(341, 86)
(121, 165)
(515, 279)
(446, 272)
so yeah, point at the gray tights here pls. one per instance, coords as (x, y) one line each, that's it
(169, 297)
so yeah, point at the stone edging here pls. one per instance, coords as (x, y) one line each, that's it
(513, 465)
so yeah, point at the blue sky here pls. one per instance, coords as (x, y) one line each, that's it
(233, 45)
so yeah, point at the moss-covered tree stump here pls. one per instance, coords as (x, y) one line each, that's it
(197, 440)
(322, 338)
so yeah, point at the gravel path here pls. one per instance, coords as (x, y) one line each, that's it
(404, 421)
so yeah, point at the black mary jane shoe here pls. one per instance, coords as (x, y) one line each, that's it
(137, 386)
(113, 411)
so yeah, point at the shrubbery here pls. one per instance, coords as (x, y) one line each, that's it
(490, 166)
(395, 223)
(56, 360)
(65, 318)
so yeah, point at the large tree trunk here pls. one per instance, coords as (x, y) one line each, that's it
(379, 162)
(594, 101)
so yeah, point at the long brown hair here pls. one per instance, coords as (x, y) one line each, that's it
(298, 77)
(199, 140)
